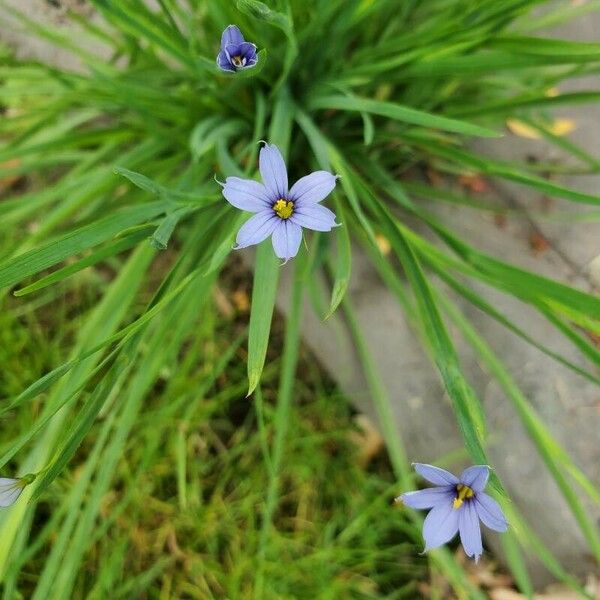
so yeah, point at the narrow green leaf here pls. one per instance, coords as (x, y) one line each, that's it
(400, 113)
(259, 10)
(79, 427)
(162, 235)
(264, 290)
(209, 131)
(343, 261)
(141, 181)
(18, 268)
(94, 258)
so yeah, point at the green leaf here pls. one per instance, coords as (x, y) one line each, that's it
(18, 268)
(143, 182)
(80, 426)
(343, 261)
(399, 113)
(264, 291)
(209, 131)
(162, 235)
(262, 12)
(94, 258)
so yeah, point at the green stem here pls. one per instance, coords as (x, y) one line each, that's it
(282, 415)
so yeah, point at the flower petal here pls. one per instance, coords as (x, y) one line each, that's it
(273, 171)
(256, 229)
(435, 474)
(10, 490)
(315, 216)
(286, 239)
(490, 513)
(231, 35)
(224, 63)
(476, 477)
(245, 49)
(440, 525)
(470, 533)
(313, 188)
(246, 194)
(427, 498)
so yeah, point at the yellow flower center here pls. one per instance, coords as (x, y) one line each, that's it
(462, 492)
(237, 61)
(283, 208)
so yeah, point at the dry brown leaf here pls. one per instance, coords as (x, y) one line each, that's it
(538, 243)
(474, 183)
(9, 180)
(552, 592)
(367, 439)
(485, 575)
(223, 304)
(241, 300)
(435, 179)
(500, 220)
(505, 594)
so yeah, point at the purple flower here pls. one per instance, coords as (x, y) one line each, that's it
(10, 489)
(236, 53)
(457, 505)
(280, 212)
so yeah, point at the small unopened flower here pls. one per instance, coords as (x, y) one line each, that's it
(280, 212)
(457, 505)
(236, 53)
(10, 489)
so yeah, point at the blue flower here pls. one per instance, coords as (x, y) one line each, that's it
(457, 505)
(10, 489)
(280, 212)
(236, 53)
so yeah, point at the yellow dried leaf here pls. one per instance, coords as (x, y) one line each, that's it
(383, 244)
(558, 127)
(522, 129)
(562, 127)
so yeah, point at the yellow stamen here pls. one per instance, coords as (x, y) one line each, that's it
(283, 208)
(237, 61)
(463, 491)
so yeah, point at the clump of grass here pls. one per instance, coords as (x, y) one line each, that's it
(127, 151)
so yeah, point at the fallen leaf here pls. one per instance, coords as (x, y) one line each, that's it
(383, 244)
(223, 304)
(562, 127)
(241, 300)
(522, 129)
(505, 594)
(538, 243)
(474, 183)
(500, 220)
(8, 181)
(367, 439)
(434, 177)
(558, 127)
